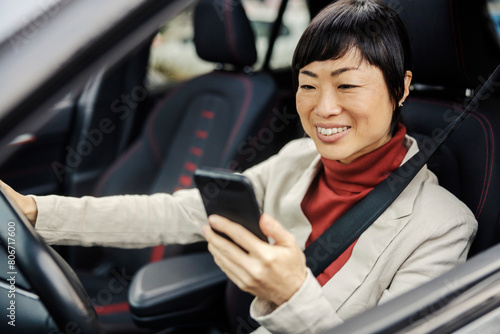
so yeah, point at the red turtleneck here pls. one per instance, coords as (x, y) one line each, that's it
(338, 187)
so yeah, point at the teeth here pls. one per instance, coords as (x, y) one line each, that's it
(331, 131)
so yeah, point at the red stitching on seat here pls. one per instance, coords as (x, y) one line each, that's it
(151, 121)
(155, 146)
(157, 253)
(201, 134)
(482, 199)
(229, 28)
(112, 308)
(195, 151)
(489, 162)
(247, 85)
(190, 166)
(207, 114)
(185, 180)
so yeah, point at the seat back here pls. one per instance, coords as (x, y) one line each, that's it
(205, 120)
(455, 48)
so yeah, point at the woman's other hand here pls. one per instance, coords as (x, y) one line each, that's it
(271, 272)
(25, 203)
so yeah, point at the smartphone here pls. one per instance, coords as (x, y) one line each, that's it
(229, 195)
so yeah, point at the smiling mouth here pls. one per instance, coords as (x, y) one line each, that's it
(331, 131)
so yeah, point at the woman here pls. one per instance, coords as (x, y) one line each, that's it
(352, 68)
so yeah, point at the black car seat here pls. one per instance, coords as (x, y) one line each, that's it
(113, 97)
(205, 122)
(455, 49)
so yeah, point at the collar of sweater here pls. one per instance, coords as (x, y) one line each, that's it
(368, 170)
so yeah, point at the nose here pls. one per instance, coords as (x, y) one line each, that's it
(327, 105)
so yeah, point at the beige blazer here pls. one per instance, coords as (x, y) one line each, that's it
(424, 233)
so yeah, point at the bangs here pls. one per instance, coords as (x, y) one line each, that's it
(369, 26)
(351, 24)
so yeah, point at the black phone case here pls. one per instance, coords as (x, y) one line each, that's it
(229, 195)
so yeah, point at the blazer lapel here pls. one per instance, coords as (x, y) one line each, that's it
(294, 219)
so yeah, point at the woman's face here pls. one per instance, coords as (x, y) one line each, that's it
(344, 106)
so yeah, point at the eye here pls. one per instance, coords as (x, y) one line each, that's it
(306, 87)
(346, 86)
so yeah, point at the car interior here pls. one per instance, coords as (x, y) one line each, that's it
(224, 119)
(200, 123)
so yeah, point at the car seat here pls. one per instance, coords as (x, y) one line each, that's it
(206, 121)
(455, 49)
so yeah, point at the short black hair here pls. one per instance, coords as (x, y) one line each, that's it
(373, 28)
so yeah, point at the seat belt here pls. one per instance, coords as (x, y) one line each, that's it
(348, 228)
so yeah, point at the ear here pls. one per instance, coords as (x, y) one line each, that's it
(408, 77)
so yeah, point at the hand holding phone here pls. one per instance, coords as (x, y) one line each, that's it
(229, 195)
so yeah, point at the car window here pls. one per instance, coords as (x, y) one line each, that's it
(173, 56)
(494, 10)
(262, 15)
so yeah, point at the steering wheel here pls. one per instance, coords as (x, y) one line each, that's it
(48, 275)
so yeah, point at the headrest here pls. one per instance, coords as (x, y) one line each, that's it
(454, 42)
(222, 33)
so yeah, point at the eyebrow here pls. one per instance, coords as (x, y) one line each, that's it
(333, 73)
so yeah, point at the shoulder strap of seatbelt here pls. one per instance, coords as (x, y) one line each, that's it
(348, 228)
